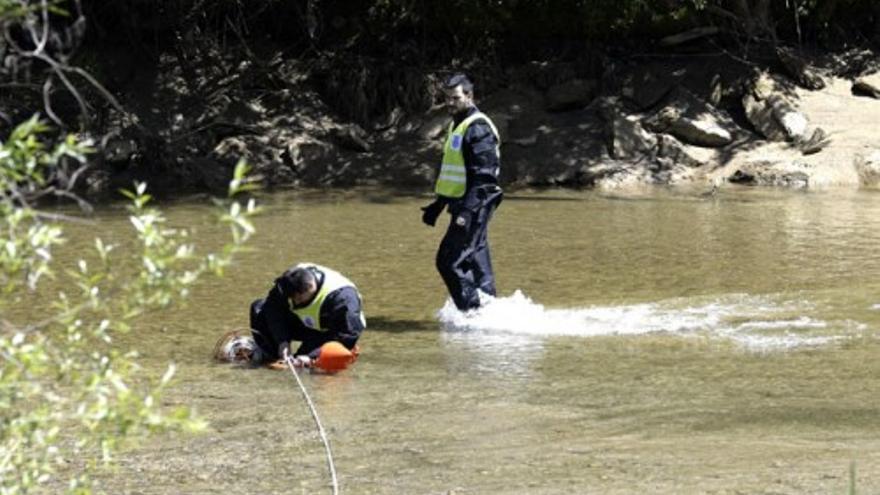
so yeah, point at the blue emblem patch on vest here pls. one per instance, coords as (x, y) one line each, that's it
(456, 141)
(309, 322)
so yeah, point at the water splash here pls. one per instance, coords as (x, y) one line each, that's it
(755, 322)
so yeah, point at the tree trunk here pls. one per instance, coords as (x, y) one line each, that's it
(756, 17)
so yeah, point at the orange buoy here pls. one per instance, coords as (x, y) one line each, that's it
(335, 357)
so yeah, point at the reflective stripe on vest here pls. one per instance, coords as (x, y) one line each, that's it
(452, 180)
(311, 315)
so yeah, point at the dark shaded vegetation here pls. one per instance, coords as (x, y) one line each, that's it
(189, 74)
(374, 55)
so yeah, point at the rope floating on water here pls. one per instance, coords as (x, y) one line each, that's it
(289, 360)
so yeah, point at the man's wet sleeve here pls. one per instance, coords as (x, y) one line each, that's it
(481, 152)
(276, 326)
(342, 314)
(279, 319)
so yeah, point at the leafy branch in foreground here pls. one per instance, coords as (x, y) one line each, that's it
(68, 396)
(41, 36)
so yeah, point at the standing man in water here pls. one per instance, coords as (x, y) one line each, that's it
(311, 304)
(468, 185)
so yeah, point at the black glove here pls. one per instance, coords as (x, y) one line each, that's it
(432, 211)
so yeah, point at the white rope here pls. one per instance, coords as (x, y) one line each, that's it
(289, 360)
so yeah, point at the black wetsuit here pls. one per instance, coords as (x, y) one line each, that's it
(463, 258)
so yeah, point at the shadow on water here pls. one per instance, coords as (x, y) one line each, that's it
(391, 197)
(527, 195)
(396, 325)
(403, 196)
(727, 194)
(530, 198)
(367, 194)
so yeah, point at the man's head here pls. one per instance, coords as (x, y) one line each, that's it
(299, 285)
(459, 92)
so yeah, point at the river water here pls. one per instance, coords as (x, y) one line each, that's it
(665, 342)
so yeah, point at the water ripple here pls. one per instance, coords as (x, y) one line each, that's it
(755, 322)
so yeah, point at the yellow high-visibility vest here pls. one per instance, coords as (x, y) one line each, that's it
(452, 180)
(311, 315)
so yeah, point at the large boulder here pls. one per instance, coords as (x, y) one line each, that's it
(615, 174)
(644, 86)
(308, 158)
(670, 148)
(626, 137)
(230, 149)
(868, 85)
(794, 175)
(868, 167)
(800, 70)
(772, 112)
(629, 139)
(435, 124)
(783, 164)
(266, 160)
(119, 149)
(776, 118)
(352, 137)
(209, 174)
(516, 112)
(569, 95)
(692, 120)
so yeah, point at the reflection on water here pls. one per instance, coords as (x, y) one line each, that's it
(599, 299)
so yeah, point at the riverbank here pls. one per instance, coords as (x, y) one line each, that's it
(705, 118)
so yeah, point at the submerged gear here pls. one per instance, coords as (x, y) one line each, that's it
(233, 347)
(452, 181)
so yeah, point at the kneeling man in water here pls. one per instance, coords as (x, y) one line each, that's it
(308, 303)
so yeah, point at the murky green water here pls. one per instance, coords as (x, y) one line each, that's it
(660, 343)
